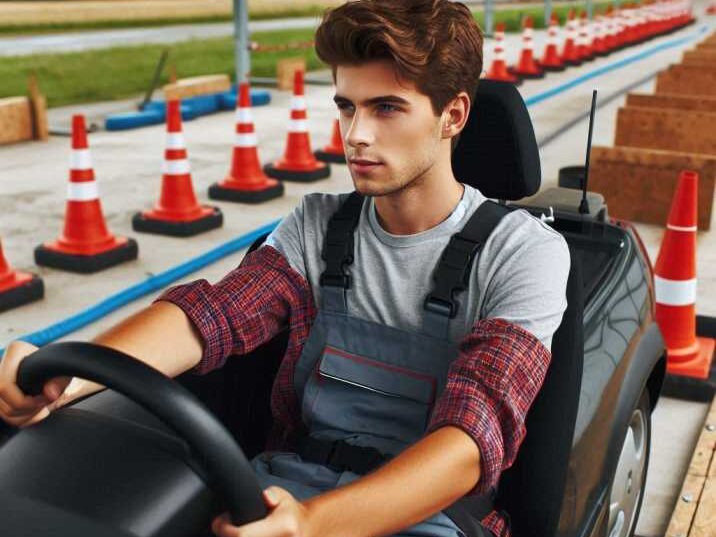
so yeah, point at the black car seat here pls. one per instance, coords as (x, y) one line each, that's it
(497, 153)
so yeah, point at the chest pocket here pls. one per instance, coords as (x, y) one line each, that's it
(385, 400)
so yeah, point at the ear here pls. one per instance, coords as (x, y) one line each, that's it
(455, 115)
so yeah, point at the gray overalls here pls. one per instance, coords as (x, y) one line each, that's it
(367, 390)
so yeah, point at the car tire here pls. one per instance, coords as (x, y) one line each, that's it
(626, 494)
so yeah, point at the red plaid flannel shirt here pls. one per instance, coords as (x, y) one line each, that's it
(490, 386)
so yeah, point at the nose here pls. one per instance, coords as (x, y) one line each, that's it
(360, 130)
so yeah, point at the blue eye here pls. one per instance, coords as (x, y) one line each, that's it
(345, 107)
(387, 108)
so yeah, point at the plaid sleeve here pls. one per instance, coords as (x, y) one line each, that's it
(249, 306)
(490, 387)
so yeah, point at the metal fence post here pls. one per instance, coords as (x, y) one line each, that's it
(241, 40)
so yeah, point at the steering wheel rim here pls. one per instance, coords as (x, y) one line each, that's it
(229, 472)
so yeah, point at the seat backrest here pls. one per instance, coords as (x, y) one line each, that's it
(497, 152)
(532, 490)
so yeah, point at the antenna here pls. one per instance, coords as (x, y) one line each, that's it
(584, 205)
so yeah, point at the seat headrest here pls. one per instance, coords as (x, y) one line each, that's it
(497, 152)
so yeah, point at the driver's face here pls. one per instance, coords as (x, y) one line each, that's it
(387, 121)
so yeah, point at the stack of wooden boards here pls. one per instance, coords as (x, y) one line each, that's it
(695, 511)
(24, 118)
(658, 136)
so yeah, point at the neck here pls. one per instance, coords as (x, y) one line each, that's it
(422, 205)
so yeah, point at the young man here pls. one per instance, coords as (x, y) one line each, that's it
(436, 403)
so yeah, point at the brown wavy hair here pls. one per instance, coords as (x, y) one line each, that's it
(436, 44)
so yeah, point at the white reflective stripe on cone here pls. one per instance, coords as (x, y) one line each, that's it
(298, 102)
(80, 159)
(683, 351)
(176, 167)
(245, 140)
(680, 228)
(298, 125)
(175, 140)
(84, 191)
(675, 292)
(243, 115)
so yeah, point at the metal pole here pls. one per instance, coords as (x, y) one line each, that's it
(489, 23)
(547, 12)
(241, 40)
(590, 9)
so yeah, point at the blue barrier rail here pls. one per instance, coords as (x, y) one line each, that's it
(535, 99)
(138, 290)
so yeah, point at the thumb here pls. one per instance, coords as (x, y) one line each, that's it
(54, 388)
(273, 496)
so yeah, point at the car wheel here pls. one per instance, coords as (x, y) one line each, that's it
(626, 492)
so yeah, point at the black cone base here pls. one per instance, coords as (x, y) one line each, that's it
(689, 388)
(334, 158)
(178, 229)
(23, 294)
(218, 192)
(553, 69)
(299, 176)
(86, 264)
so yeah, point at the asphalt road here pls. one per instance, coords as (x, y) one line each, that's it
(74, 41)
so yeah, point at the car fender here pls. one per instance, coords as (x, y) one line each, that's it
(646, 369)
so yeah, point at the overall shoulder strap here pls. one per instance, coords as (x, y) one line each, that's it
(337, 252)
(452, 274)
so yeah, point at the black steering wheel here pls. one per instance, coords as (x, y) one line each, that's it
(225, 464)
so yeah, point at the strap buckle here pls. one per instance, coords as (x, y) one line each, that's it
(440, 306)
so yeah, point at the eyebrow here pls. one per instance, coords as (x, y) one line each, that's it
(374, 100)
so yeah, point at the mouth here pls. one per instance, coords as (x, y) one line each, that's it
(363, 166)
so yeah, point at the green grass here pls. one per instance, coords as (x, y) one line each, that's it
(42, 28)
(107, 74)
(512, 17)
(116, 73)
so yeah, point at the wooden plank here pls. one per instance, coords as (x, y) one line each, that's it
(664, 128)
(285, 71)
(704, 523)
(38, 104)
(687, 80)
(685, 508)
(699, 57)
(710, 426)
(15, 120)
(638, 184)
(701, 103)
(702, 459)
(198, 85)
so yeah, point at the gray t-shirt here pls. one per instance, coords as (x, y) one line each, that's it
(520, 274)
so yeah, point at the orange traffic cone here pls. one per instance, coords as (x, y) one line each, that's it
(584, 41)
(298, 163)
(246, 181)
(569, 53)
(527, 67)
(85, 244)
(675, 286)
(551, 60)
(334, 151)
(177, 213)
(711, 10)
(17, 288)
(498, 69)
(599, 42)
(610, 37)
